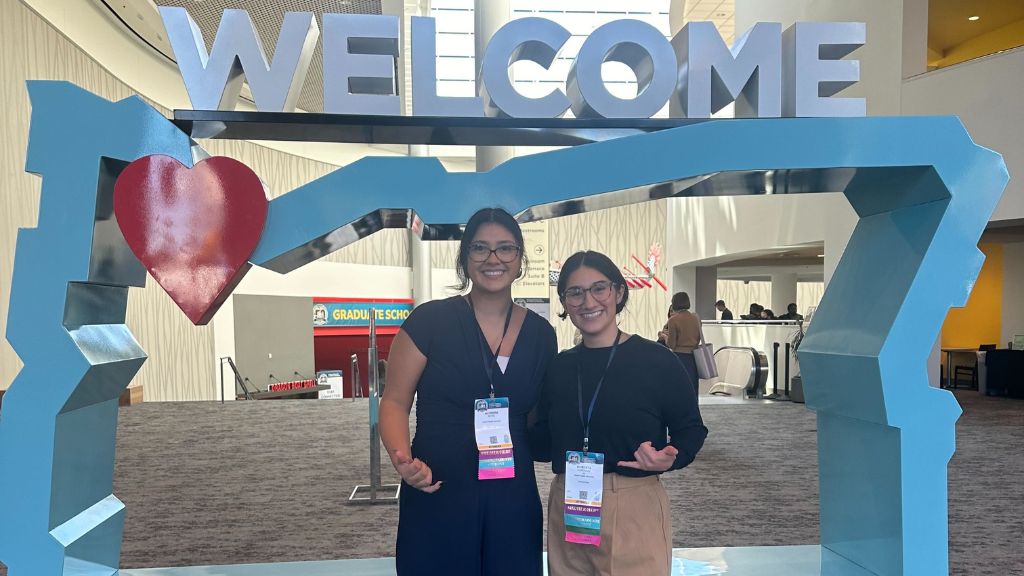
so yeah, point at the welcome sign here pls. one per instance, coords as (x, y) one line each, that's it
(768, 72)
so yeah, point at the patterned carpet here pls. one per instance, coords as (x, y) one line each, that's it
(206, 483)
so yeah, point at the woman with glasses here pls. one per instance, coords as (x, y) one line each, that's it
(601, 421)
(474, 365)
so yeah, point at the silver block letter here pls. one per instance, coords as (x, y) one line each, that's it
(712, 75)
(534, 39)
(812, 70)
(213, 81)
(637, 45)
(425, 101)
(359, 64)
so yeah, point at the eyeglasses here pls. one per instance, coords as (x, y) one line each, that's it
(480, 252)
(600, 290)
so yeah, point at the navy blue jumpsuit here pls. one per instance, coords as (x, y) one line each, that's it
(471, 527)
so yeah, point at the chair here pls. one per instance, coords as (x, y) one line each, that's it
(971, 372)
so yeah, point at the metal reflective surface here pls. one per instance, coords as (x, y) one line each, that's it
(359, 64)
(416, 129)
(423, 67)
(750, 73)
(214, 80)
(535, 39)
(192, 228)
(812, 70)
(636, 44)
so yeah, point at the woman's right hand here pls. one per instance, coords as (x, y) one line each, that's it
(415, 472)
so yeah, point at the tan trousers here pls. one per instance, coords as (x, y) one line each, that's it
(636, 531)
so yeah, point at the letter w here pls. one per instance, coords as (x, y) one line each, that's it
(213, 82)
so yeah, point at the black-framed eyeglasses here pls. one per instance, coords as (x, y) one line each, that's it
(480, 252)
(600, 290)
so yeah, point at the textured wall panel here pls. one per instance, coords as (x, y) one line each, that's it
(620, 233)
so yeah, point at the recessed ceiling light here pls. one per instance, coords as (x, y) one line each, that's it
(974, 18)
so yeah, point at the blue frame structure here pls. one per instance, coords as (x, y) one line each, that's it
(922, 189)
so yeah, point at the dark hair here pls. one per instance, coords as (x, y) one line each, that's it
(720, 303)
(680, 301)
(598, 262)
(791, 307)
(483, 216)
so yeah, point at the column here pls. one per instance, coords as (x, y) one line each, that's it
(783, 291)
(419, 254)
(489, 15)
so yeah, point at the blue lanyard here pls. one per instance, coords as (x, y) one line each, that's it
(597, 390)
(490, 359)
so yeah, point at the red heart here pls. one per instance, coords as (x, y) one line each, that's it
(193, 229)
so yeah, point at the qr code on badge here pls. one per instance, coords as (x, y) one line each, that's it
(583, 495)
(494, 439)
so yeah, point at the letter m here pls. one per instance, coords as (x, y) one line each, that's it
(711, 75)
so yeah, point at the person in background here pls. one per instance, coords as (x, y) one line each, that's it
(474, 365)
(382, 371)
(663, 333)
(684, 334)
(726, 313)
(602, 417)
(791, 313)
(767, 314)
(754, 313)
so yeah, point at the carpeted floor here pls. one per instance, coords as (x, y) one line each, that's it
(206, 483)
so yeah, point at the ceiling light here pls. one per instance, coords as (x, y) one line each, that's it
(821, 255)
(974, 18)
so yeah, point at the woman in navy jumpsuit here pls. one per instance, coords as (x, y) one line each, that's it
(450, 353)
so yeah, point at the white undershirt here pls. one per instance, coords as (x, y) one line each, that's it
(502, 363)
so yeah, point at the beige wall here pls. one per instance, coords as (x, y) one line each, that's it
(178, 367)
(619, 233)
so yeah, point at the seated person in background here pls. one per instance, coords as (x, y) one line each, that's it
(726, 313)
(791, 313)
(767, 314)
(755, 312)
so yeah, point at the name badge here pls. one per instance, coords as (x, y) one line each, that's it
(584, 486)
(493, 440)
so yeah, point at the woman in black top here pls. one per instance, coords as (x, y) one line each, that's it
(615, 394)
(457, 515)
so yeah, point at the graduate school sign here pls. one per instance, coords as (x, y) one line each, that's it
(768, 72)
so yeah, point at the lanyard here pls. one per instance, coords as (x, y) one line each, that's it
(597, 390)
(490, 359)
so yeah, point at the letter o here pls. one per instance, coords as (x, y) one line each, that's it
(636, 44)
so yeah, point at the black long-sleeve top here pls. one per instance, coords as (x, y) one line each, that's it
(646, 390)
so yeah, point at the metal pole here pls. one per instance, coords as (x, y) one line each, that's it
(371, 358)
(785, 384)
(222, 380)
(353, 375)
(775, 369)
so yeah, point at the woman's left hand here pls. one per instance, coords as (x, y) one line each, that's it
(651, 460)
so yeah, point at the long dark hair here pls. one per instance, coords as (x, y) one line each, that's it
(498, 216)
(599, 262)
